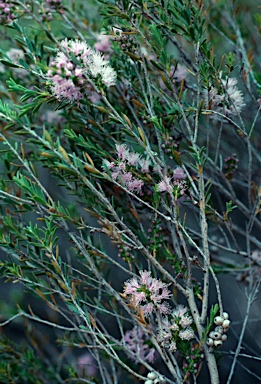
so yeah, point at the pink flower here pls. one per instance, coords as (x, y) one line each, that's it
(144, 164)
(86, 364)
(70, 79)
(176, 74)
(165, 185)
(179, 174)
(179, 311)
(148, 292)
(185, 321)
(123, 170)
(135, 340)
(135, 185)
(186, 334)
(123, 151)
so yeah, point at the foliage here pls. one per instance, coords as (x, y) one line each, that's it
(130, 174)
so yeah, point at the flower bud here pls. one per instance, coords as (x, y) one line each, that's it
(151, 375)
(218, 343)
(226, 324)
(148, 382)
(218, 320)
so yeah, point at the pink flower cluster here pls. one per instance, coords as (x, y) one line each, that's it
(148, 293)
(176, 183)
(135, 340)
(228, 100)
(123, 170)
(175, 327)
(7, 9)
(72, 70)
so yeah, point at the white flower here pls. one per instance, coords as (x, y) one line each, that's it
(228, 100)
(186, 334)
(100, 66)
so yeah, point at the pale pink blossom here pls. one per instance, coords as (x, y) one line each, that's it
(227, 100)
(135, 340)
(179, 174)
(186, 321)
(148, 292)
(179, 311)
(186, 334)
(72, 79)
(165, 185)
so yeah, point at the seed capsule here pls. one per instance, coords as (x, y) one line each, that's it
(226, 324)
(151, 375)
(225, 316)
(218, 343)
(224, 337)
(218, 320)
(219, 329)
(215, 335)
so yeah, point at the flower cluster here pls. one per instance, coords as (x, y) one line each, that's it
(155, 237)
(55, 4)
(217, 337)
(126, 42)
(148, 293)
(123, 170)
(154, 378)
(191, 362)
(170, 146)
(230, 166)
(227, 100)
(138, 343)
(73, 70)
(175, 327)
(7, 9)
(175, 184)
